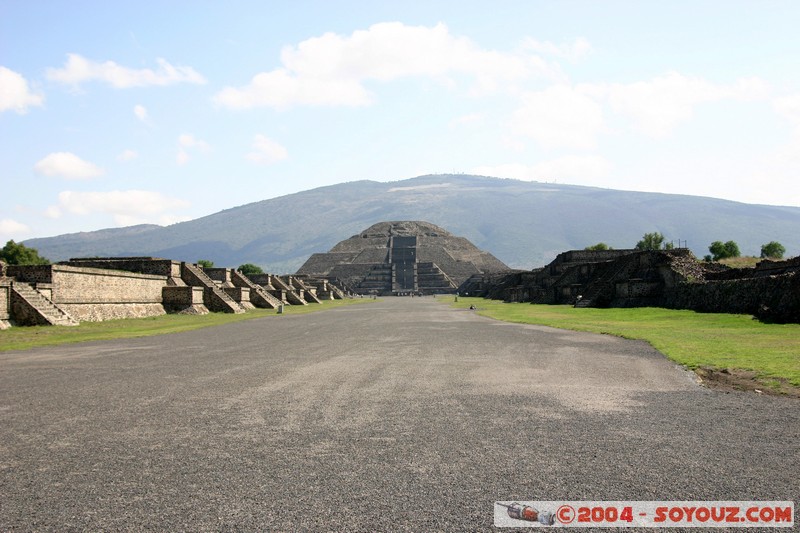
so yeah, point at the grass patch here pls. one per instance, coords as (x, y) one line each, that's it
(22, 338)
(695, 340)
(746, 261)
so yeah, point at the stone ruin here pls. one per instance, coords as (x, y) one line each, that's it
(387, 258)
(395, 258)
(401, 258)
(96, 289)
(672, 279)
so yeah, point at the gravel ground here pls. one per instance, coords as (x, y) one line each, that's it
(402, 414)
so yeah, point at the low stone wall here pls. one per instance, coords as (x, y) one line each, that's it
(184, 300)
(141, 265)
(98, 312)
(74, 285)
(96, 294)
(221, 276)
(31, 273)
(264, 280)
(771, 298)
(240, 295)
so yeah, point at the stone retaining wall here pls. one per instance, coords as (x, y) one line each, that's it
(771, 298)
(96, 294)
(184, 300)
(141, 265)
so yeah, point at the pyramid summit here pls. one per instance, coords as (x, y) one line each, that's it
(402, 257)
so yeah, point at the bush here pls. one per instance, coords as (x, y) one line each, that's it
(650, 241)
(18, 254)
(720, 250)
(600, 246)
(772, 250)
(249, 268)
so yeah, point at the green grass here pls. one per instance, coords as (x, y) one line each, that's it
(22, 338)
(713, 340)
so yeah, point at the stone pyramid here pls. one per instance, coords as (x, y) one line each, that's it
(406, 257)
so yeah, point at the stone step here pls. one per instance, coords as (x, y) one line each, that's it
(262, 298)
(214, 298)
(43, 306)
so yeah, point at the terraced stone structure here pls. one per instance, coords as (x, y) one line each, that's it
(408, 257)
(673, 279)
(103, 288)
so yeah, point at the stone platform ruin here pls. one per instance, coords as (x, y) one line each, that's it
(673, 279)
(97, 289)
(401, 258)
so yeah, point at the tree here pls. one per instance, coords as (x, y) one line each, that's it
(205, 263)
(18, 254)
(249, 268)
(650, 241)
(600, 246)
(720, 250)
(772, 250)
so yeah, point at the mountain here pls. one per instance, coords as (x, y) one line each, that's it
(524, 224)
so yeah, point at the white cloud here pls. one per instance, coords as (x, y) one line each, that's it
(15, 94)
(187, 142)
(567, 116)
(279, 89)
(331, 69)
(266, 151)
(67, 165)
(574, 169)
(127, 207)
(574, 51)
(78, 69)
(559, 117)
(780, 166)
(141, 113)
(128, 155)
(11, 229)
(656, 107)
(183, 157)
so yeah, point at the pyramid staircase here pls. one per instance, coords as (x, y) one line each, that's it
(338, 293)
(40, 309)
(308, 295)
(213, 297)
(258, 295)
(404, 278)
(292, 295)
(378, 279)
(432, 279)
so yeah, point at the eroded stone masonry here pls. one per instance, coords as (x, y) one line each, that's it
(666, 278)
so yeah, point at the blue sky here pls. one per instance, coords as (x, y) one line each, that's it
(120, 113)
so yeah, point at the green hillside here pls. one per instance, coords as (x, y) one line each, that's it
(524, 224)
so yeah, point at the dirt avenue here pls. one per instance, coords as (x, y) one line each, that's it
(400, 414)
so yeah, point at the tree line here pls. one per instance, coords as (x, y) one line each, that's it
(719, 250)
(18, 254)
(14, 253)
